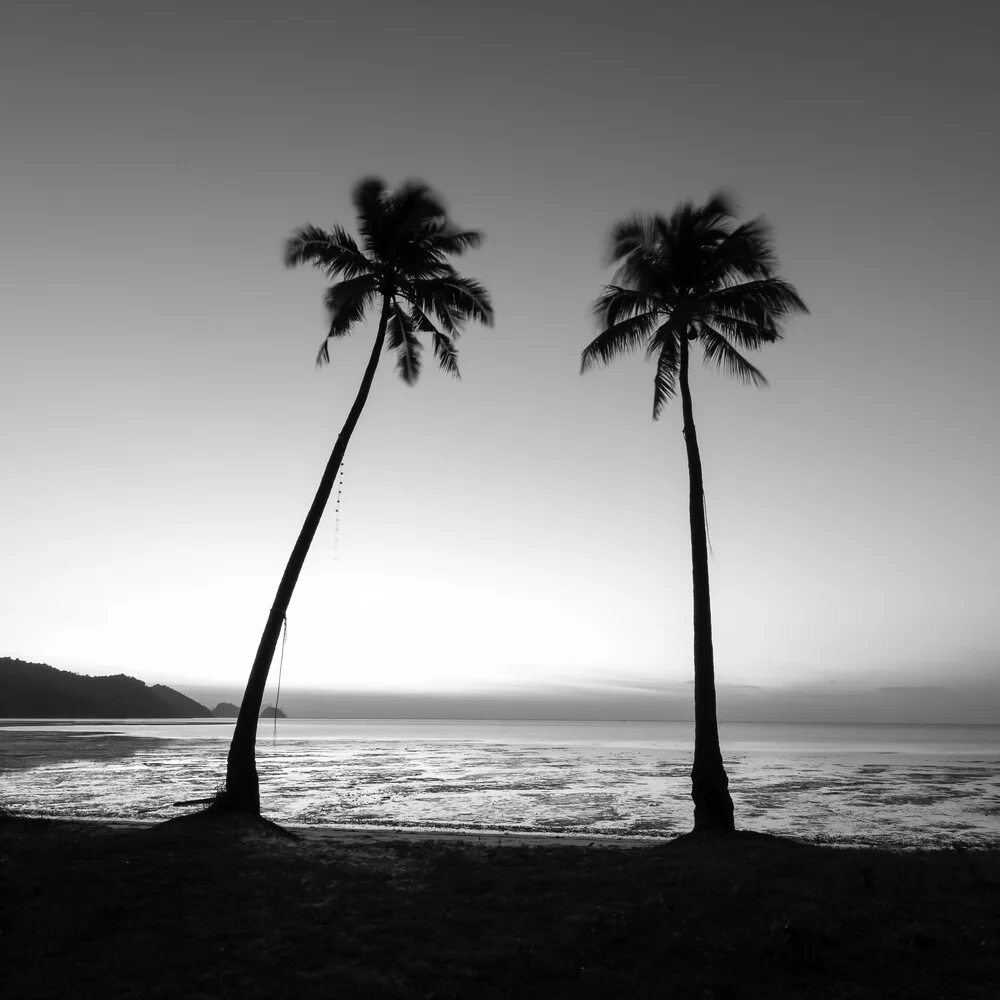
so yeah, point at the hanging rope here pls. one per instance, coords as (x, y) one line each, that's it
(336, 514)
(281, 663)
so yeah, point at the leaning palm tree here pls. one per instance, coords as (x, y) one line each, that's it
(400, 267)
(695, 277)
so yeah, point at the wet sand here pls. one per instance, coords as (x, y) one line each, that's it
(576, 791)
(217, 909)
(21, 751)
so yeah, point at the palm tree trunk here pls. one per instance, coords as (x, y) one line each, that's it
(713, 806)
(242, 788)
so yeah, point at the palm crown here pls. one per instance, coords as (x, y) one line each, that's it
(406, 239)
(696, 275)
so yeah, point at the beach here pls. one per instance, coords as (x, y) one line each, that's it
(112, 889)
(219, 909)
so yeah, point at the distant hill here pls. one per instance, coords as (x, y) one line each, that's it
(38, 691)
(226, 710)
(271, 713)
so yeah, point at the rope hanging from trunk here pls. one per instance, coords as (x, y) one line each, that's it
(336, 514)
(284, 618)
(281, 663)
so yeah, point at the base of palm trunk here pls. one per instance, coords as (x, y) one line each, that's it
(221, 820)
(242, 791)
(713, 805)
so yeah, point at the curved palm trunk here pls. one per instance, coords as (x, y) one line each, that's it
(713, 807)
(242, 790)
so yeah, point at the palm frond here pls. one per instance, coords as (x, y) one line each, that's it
(665, 380)
(306, 244)
(433, 311)
(616, 340)
(641, 255)
(396, 328)
(751, 336)
(462, 298)
(369, 197)
(764, 301)
(719, 211)
(665, 340)
(451, 241)
(648, 270)
(334, 252)
(411, 207)
(347, 302)
(747, 253)
(719, 352)
(617, 302)
(368, 194)
(636, 232)
(681, 220)
(421, 265)
(421, 322)
(444, 347)
(408, 349)
(446, 353)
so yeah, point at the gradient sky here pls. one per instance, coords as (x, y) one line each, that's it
(163, 427)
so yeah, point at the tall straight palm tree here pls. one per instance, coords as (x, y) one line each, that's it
(400, 267)
(695, 277)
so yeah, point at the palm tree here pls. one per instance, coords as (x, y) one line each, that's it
(696, 276)
(401, 266)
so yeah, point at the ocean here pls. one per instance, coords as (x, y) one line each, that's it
(894, 785)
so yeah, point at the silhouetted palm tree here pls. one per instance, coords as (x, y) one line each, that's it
(401, 266)
(694, 277)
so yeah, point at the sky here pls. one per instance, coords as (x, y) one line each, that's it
(521, 533)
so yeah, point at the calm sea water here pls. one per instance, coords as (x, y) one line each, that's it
(890, 784)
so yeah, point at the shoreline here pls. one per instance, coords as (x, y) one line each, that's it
(493, 838)
(372, 834)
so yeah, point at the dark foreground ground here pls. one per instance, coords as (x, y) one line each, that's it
(211, 910)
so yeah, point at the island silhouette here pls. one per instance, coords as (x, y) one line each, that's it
(37, 690)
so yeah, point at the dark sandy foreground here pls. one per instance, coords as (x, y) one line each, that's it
(213, 910)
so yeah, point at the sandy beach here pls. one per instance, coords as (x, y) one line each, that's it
(212, 909)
